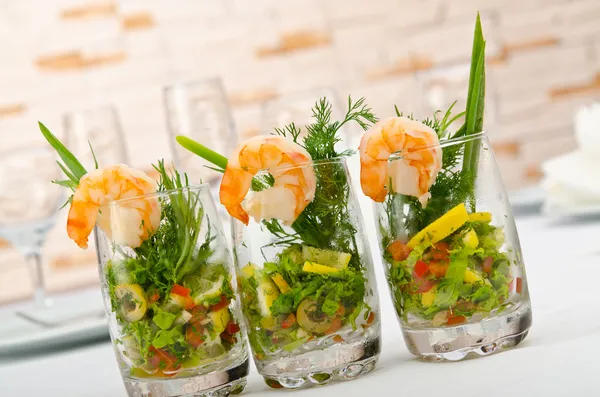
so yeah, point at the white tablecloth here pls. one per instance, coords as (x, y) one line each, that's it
(558, 358)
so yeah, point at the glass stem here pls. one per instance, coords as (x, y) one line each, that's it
(34, 260)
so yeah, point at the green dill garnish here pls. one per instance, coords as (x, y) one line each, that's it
(172, 252)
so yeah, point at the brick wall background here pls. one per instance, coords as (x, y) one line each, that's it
(60, 55)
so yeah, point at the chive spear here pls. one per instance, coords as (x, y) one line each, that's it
(204, 152)
(476, 99)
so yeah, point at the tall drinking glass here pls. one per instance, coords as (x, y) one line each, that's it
(28, 206)
(296, 108)
(199, 110)
(99, 127)
(173, 313)
(458, 280)
(308, 290)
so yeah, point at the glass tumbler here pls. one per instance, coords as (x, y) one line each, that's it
(308, 289)
(454, 267)
(199, 110)
(168, 287)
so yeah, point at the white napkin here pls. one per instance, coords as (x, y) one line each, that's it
(572, 181)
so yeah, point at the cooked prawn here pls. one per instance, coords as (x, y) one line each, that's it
(128, 224)
(294, 181)
(415, 170)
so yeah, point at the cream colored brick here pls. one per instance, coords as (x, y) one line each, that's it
(551, 143)
(544, 67)
(299, 15)
(371, 39)
(133, 71)
(248, 120)
(382, 95)
(468, 8)
(442, 43)
(555, 115)
(385, 13)
(317, 67)
(567, 21)
(185, 11)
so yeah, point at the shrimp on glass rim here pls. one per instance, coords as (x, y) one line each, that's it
(294, 180)
(413, 172)
(129, 224)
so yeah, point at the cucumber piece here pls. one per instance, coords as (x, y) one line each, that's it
(209, 290)
(336, 259)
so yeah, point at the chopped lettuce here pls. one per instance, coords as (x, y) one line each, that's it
(163, 319)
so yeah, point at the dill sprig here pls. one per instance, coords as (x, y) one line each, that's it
(323, 135)
(172, 252)
(326, 222)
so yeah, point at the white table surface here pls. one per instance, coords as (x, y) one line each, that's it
(558, 358)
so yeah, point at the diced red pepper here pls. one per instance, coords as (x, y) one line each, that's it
(200, 310)
(440, 251)
(180, 290)
(438, 268)
(232, 328)
(154, 297)
(194, 334)
(420, 269)
(162, 359)
(487, 264)
(222, 303)
(398, 250)
(289, 321)
(519, 288)
(420, 285)
(183, 292)
(198, 313)
(454, 320)
(226, 336)
(335, 325)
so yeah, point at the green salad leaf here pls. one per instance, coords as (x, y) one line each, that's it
(168, 337)
(163, 319)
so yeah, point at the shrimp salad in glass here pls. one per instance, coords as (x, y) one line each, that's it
(170, 298)
(312, 284)
(444, 263)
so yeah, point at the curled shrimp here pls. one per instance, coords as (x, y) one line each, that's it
(413, 172)
(294, 182)
(128, 224)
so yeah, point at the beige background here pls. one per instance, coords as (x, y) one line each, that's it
(60, 55)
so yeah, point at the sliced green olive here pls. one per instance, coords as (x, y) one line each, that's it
(132, 302)
(311, 318)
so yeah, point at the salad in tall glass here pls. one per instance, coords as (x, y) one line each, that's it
(167, 278)
(304, 268)
(448, 239)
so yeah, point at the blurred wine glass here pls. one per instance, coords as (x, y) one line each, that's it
(29, 203)
(297, 108)
(99, 128)
(440, 87)
(199, 110)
